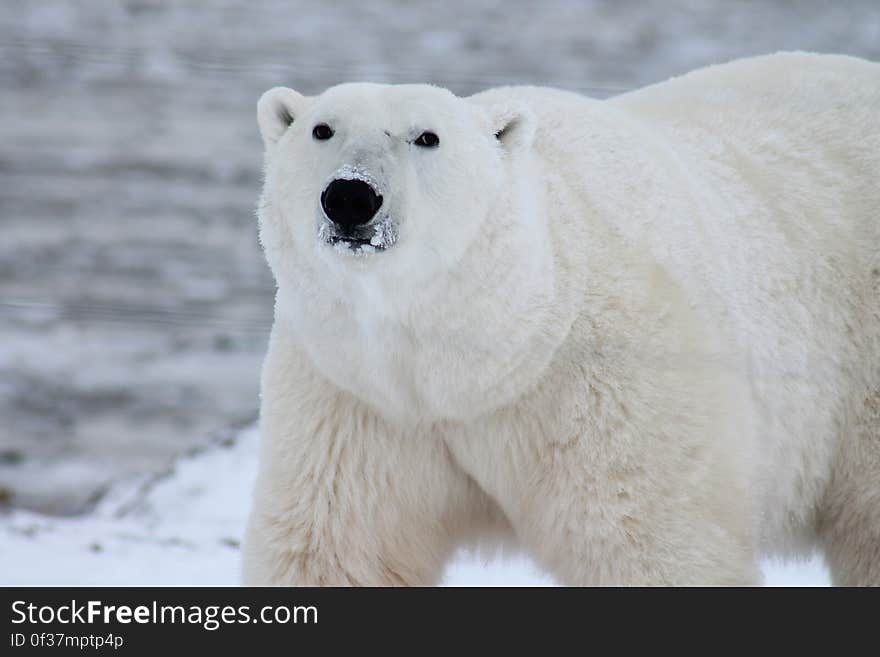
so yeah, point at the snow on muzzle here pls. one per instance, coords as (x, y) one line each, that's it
(354, 219)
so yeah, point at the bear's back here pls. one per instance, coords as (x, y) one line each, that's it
(783, 153)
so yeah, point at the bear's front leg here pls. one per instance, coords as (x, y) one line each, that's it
(604, 488)
(345, 498)
(625, 527)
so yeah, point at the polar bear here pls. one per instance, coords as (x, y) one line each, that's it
(639, 337)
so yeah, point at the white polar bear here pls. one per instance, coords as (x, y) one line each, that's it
(639, 337)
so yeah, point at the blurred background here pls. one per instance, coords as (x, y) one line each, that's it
(134, 300)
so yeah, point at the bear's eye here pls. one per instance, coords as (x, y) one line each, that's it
(322, 132)
(427, 140)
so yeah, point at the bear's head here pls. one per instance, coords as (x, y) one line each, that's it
(382, 178)
(390, 212)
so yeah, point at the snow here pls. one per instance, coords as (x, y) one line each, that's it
(183, 527)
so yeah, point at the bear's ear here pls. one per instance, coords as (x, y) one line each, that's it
(276, 110)
(513, 125)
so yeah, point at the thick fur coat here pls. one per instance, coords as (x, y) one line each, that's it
(638, 338)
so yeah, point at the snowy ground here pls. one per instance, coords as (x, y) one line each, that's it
(183, 528)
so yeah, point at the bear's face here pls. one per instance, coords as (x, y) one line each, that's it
(383, 207)
(387, 181)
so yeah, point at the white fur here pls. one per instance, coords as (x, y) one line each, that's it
(639, 337)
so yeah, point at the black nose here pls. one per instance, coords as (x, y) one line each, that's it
(350, 203)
